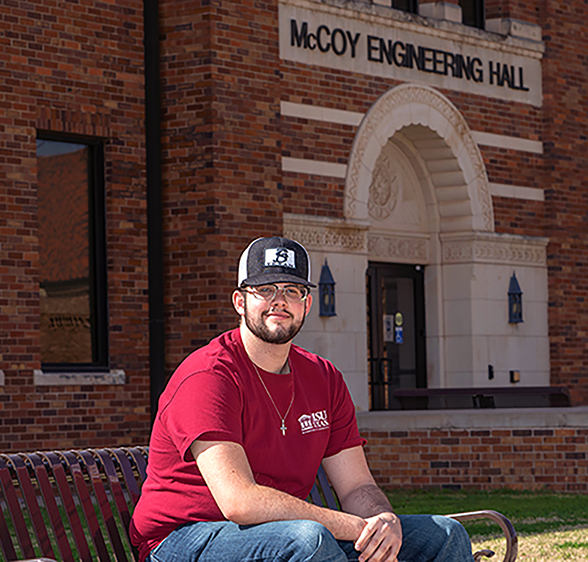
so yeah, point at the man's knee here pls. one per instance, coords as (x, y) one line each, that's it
(310, 540)
(454, 529)
(309, 532)
(434, 537)
(458, 541)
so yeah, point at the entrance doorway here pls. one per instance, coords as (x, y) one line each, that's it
(396, 331)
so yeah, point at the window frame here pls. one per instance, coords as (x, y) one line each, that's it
(413, 7)
(479, 21)
(97, 254)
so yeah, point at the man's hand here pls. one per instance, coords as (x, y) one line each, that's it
(380, 539)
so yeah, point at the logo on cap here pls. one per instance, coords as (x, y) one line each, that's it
(281, 257)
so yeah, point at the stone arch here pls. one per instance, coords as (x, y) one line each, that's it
(445, 145)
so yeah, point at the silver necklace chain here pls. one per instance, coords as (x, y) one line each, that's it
(283, 427)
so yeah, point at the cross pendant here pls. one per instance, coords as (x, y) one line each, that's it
(283, 428)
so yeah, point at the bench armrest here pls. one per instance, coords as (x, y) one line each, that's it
(37, 560)
(507, 528)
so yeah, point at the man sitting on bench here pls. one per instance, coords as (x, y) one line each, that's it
(241, 430)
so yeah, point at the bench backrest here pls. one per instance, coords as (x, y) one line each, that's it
(70, 505)
(77, 505)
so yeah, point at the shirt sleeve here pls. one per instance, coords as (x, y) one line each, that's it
(344, 430)
(205, 404)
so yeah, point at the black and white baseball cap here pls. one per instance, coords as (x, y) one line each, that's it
(274, 260)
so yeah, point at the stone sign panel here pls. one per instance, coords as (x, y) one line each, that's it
(391, 49)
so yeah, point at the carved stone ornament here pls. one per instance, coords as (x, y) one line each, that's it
(402, 106)
(398, 248)
(326, 235)
(383, 190)
(497, 249)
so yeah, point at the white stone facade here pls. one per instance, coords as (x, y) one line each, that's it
(417, 193)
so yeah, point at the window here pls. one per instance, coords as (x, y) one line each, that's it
(72, 263)
(472, 12)
(406, 5)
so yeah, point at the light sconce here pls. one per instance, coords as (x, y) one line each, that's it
(515, 301)
(327, 292)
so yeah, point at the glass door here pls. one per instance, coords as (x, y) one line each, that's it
(396, 331)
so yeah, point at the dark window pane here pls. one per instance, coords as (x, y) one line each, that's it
(68, 316)
(405, 5)
(472, 12)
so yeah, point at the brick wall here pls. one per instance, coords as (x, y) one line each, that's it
(72, 68)
(78, 68)
(523, 459)
(522, 10)
(565, 122)
(222, 177)
(480, 451)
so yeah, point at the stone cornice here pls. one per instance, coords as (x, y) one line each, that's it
(398, 248)
(448, 31)
(468, 419)
(323, 234)
(483, 247)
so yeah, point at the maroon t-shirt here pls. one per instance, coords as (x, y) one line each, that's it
(216, 395)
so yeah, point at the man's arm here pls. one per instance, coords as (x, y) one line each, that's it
(358, 493)
(226, 470)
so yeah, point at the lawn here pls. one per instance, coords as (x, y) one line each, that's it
(551, 527)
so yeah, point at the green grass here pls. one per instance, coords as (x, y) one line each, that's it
(551, 527)
(530, 512)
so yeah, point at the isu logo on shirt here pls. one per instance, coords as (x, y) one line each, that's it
(316, 421)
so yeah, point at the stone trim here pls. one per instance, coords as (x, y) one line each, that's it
(324, 234)
(515, 28)
(354, 118)
(321, 113)
(504, 249)
(403, 420)
(441, 11)
(2, 378)
(313, 167)
(508, 142)
(442, 29)
(517, 192)
(397, 248)
(116, 376)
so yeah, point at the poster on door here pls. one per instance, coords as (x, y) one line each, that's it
(393, 330)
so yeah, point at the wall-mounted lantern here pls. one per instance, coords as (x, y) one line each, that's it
(327, 292)
(515, 301)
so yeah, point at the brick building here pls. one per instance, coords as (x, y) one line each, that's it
(432, 154)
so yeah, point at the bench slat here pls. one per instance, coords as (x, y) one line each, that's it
(127, 471)
(115, 486)
(15, 509)
(328, 494)
(51, 505)
(102, 498)
(86, 501)
(35, 513)
(69, 503)
(5, 538)
(139, 459)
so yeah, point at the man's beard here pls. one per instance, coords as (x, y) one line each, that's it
(282, 334)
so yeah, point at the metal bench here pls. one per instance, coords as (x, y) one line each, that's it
(77, 505)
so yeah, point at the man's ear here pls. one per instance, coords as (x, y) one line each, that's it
(308, 303)
(239, 302)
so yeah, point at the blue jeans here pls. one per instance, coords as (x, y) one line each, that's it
(426, 538)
